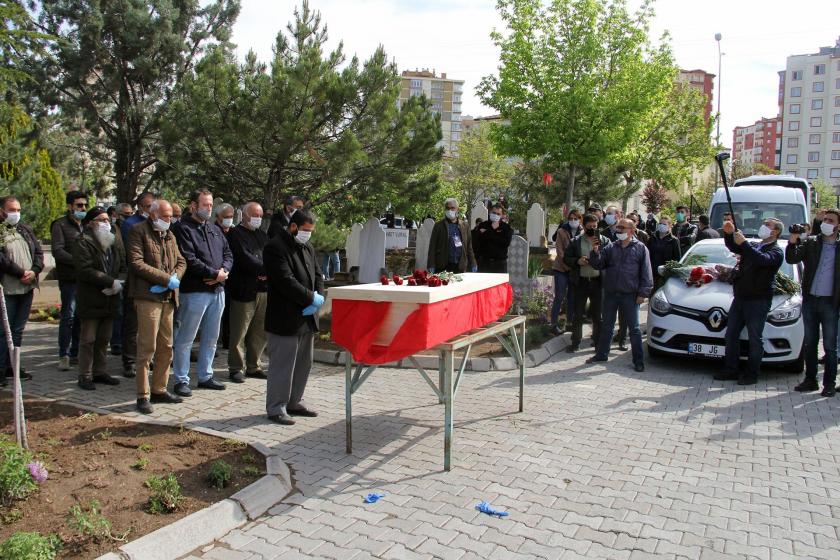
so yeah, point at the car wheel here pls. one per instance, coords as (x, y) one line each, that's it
(797, 365)
(655, 352)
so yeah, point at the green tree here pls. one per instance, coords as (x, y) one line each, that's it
(311, 124)
(741, 169)
(576, 80)
(478, 170)
(19, 42)
(115, 65)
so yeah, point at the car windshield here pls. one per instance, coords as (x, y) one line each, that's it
(750, 215)
(717, 253)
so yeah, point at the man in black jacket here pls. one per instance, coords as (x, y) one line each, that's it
(282, 217)
(21, 261)
(491, 242)
(820, 298)
(64, 233)
(704, 231)
(202, 295)
(247, 290)
(663, 247)
(683, 229)
(585, 279)
(295, 288)
(753, 291)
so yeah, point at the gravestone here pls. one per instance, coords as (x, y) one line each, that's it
(518, 253)
(352, 246)
(552, 228)
(478, 211)
(535, 228)
(424, 234)
(371, 252)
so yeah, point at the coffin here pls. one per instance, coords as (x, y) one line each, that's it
(380, 324)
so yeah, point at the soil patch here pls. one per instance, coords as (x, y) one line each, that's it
(95, 457)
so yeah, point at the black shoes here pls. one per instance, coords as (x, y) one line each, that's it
(828, 392)
(236, 377)
(572, 348)
(595, 359)
(23, 375)
(259, 374)
(622, 346)
(747, 380)
(143, 406)
(106, 379)
(129, 371)
(283, 419)
(165, 397)
(183, 389)
(86, 383)
(556, 330)
(807, 386)
(726, 376)
(639, 367)
(301, 411)
(211, 384)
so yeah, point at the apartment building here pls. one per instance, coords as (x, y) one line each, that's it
(809, 98)
(703, 82)
(760, 142)
(445, 95)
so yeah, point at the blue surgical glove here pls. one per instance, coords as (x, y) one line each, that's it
(158, 289)
(173, 282)
(374, 497)
(474, 268)
(310, 310)
(318, 300)
(484, 507)
(431, 270)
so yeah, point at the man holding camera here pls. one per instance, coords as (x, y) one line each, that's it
(753, 290)
(820, 297)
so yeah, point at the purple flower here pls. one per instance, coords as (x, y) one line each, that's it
(38, 471)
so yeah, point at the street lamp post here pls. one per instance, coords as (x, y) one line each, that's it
(718, 37)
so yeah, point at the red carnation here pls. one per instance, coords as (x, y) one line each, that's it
(398, 280)
(707, 278)
(384, 280)
(412, 282)
(445, 282)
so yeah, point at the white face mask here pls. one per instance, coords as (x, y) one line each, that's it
(160, 225)
(303, 236)
(255, 223)
(227, 222)
(610, 219)
(663, 228)
(12, 218)
(574, 224)
(495, 217)
(203, 213)
(621, 236)
(826, 229)
(451, 214)
(764, 232)
(103, 227)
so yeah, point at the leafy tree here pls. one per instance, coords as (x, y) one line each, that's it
(576, 81)
(479, 171)
(310, 124)
(115, 65)
(654, 197)
(19, 42)
(741, 169)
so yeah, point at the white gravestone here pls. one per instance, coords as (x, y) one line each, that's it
(478, 211)
(518, 253)
(424, 234)
(371, 252)
(535, 228)
(396, 238)
(352, 245)
(552, 229)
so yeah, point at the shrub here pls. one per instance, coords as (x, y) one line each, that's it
(166, 494)
(16, 480)
(30, 546)
(89, 522)
(219, 475)
(140, 464)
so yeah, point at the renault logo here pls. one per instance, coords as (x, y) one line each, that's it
(715, 318)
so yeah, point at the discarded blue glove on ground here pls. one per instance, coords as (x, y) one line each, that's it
(309, 310)
(484, 507)
(373, 497)
(158, 289)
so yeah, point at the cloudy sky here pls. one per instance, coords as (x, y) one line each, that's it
(452, 36)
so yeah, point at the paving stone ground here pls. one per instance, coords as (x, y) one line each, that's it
(604, 463)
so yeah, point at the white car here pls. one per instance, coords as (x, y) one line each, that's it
(692, 321)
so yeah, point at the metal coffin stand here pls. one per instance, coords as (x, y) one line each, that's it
(509, 331)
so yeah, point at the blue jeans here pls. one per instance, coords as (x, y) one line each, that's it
(820, 312)
(331, 258)
(69, 323)
(611, 304)
(751, 313)
(17, 308)
(198, 310)
(563, 290)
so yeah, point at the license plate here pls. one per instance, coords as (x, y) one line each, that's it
(711, 350)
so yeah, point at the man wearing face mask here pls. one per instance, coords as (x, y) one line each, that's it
(585, 279)
(820, 298)
(295, 288)
(202, 296)
(627, 283)
(101, 272)
(155, 268)
(450, 246)
(224, 219)
(21, 261)
(650, 224)
(663, 247)
(176, 213)
(282, 217)
(64, 232)
(563, 291)
(492, 240)
(247, 287)
(611, 219)
(753, 291)
(684, 230)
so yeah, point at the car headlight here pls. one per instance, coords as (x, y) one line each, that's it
(790, 310)
(659, 303)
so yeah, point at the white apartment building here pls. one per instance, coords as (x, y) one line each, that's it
(445, 95)
(809, 96)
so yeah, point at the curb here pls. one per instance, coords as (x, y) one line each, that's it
(533, 358)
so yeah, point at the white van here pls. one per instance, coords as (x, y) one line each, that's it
(753, 204)
(788, 181)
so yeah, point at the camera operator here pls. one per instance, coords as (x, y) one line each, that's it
(753, 290)
(820, 297)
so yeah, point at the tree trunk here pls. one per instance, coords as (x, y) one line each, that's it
(570, 191)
